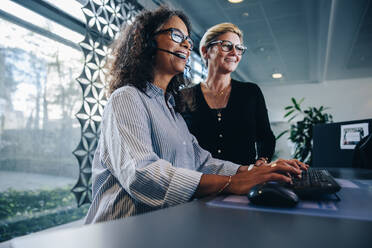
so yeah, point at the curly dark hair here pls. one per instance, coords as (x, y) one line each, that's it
(132, 59)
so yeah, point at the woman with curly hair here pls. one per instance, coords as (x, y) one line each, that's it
(146, 158)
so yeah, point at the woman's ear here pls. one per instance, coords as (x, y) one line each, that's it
(204, 53)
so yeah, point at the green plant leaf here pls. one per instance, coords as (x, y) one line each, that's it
(300, 132)
(296, 105)
(288, 107)
(292, 118)
(289, 113)
(294, 101)
(281, 134)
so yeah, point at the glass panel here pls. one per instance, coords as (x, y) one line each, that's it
(72, 7)
(198, 67)
(199, 72)
(39, 97)
(197, 63)
(36, 19)
(196, 79)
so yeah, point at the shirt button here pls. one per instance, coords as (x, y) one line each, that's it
(219, 119)
(184, 142)
(219, 151)
(220, 135)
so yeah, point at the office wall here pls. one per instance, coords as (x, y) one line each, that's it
(349, 99)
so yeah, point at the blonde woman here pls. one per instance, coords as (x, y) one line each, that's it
(229, 118)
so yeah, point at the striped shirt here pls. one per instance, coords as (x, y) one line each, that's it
(146, 158)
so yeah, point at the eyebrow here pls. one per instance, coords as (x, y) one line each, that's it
(183, 32)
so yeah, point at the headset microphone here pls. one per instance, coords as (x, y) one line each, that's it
(179, 55)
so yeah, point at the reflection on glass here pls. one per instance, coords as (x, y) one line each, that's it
(38, 131)
(38, 20)
(199, 71)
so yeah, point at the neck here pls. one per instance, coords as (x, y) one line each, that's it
(217, 82)
(162, 80)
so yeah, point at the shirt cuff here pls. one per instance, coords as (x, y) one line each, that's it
(182, 186)
(229, 169)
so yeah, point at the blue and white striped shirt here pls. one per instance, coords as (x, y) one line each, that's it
(146, 158)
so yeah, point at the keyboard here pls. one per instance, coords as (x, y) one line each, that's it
(314, 183)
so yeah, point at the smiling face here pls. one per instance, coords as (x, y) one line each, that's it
(219, 60)
(166, 63)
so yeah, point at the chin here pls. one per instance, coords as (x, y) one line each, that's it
(232, 68)
(228, 70)
(179, 68)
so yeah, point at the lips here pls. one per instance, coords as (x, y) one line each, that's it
(231, 60)
(182, 54)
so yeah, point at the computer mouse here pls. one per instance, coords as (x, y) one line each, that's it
(273, 195)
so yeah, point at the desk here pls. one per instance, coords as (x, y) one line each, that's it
(195, 224)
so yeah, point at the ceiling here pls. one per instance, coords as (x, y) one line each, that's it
(307, 41)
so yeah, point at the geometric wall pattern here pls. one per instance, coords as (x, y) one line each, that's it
(103, 21)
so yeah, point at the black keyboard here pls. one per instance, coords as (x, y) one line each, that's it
(314, 183)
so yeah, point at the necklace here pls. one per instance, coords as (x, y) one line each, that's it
(217, 93)
(216, 100)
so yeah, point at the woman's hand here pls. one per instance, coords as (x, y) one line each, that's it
(279, 170)
(242, 168)
(294, 162)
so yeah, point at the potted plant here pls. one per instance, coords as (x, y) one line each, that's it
(301, 132)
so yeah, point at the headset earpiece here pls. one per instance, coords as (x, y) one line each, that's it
(152, 46)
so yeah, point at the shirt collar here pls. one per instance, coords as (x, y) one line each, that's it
(154, 91)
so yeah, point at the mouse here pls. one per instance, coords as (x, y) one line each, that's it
(273, 195)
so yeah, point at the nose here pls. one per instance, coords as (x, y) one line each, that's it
(234, 51)
(186, 44)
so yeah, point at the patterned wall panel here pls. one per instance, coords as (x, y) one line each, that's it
(103, 21)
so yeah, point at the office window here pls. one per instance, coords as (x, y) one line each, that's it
(198, 69)
(39, 97)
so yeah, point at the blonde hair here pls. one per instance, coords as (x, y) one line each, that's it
(215, 31)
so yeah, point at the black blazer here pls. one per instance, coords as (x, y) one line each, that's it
(231, 133)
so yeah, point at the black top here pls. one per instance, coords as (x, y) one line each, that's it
(230, 133)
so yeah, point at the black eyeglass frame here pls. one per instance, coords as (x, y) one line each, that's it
(240, 49)
(173, 36)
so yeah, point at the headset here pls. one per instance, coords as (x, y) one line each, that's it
(154, 46)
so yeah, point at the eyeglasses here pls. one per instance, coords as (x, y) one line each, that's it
(227, 46)
(177, 36)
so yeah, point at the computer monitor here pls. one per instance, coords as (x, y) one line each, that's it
(327, 150)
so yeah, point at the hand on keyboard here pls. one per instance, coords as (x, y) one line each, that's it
(314, 182)
(293, 163)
